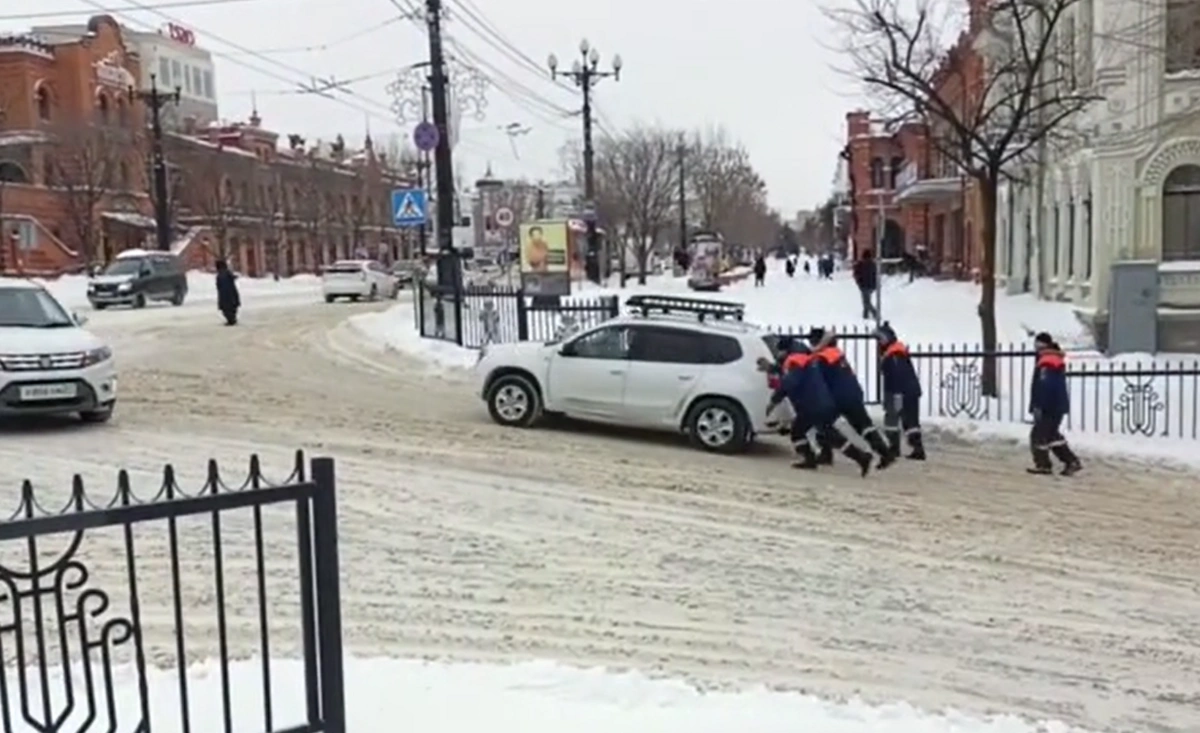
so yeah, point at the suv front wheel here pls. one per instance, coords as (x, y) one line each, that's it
(513, 401)
(718, 425)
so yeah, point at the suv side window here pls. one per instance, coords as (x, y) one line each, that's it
(721, 349)
(668, 346)
(605, 343)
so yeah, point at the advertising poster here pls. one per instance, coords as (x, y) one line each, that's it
(545, 257)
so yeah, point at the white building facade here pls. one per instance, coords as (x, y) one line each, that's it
(1133, 191)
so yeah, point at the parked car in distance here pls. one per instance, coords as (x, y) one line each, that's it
(136, 277)
(358, 280)
(50, 365)
(675, 364)
(405, 272)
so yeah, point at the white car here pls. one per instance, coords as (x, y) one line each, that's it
(675, 364)
(49, 365)
(358, 280)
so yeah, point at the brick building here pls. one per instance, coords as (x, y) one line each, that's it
(74, 174)
(876, 157)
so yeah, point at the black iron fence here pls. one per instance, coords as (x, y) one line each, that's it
(103, 604)
(478, 315)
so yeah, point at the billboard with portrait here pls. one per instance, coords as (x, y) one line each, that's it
(545, 258)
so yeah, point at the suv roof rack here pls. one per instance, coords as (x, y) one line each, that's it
(701, 308)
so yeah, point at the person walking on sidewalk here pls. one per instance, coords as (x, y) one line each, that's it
(760, 272)
(866, 277)
(1049, 402)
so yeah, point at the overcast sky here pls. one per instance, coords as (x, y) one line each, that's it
(755, 67)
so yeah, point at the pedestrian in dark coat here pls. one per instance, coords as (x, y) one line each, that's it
(814, 408)
(228, 298)
(1050, 402)
(866, 277)
(760, 271)
(848, 392)
(901, 394)
(790, 267)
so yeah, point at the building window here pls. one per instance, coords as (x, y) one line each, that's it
(208, 86)
(164, 71)
(20, 232)
(197, 82)
(877, 173)
(1067, 52)
(1011, 223)
(12, 172)
(102, 108)
(1182, 36)
(1071, 240)
(1087, 236)
(176, 74)
(897, 167)
(43, 104)
(1181, 214)
(1057, 238)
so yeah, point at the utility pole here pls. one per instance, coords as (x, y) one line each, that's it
(449, 273)
(683, 232)
(423, 172)
(156, 100)
(541, 202)
(585, 73)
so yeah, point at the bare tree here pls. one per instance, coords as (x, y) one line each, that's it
(1032, 91)
(727, 190)
(314, 214)
(638, 173)
(87, 164)
(274, 218)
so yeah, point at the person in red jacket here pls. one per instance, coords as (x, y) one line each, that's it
(1049, 402)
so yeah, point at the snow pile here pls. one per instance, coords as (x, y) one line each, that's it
(395, 330)
(71, 290)
(537, 697)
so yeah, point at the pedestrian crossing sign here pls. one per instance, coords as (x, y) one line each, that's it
(409, 207)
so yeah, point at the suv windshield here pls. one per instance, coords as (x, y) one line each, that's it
(31, 308)
(126, 266)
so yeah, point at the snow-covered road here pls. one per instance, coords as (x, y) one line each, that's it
(962, 582)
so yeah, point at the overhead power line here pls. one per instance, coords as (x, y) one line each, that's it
(124, 8)
(373, 28)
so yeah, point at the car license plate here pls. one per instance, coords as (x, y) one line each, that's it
(43, 392)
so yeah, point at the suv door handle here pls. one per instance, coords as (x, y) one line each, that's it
(616, 372)
(686, 377)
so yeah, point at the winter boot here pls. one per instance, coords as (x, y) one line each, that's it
(825, 457)
(880, 446)
(1071, 464)
(859, 456)
(917, 443)
(893, 439)
(805, 459)
(1041, 463)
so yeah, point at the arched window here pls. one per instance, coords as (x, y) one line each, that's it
(1182, 36)
(12, 172)
(877, 173)
(1181, 214)
(42, 98)
(102, 108)
(897, 166)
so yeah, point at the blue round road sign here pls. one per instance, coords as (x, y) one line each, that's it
(425, 136)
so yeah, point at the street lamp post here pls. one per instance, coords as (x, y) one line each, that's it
(585, 72)
(156, 100)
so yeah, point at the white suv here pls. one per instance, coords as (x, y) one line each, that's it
(358, 280)
(674, 363)
(49, 365)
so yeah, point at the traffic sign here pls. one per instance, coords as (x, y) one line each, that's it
(409, 207)
(504, 216)
(426, 136)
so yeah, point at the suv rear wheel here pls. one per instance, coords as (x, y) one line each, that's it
(513, 401)
(177, 297)
(718, 425)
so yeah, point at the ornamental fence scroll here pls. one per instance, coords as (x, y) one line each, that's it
(96, 595)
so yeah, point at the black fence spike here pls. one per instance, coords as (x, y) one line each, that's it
(78, 492)
(124, 490)
(169, 484)
(27, 505)
(213, 483)
(255, 470)
(298, 465)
